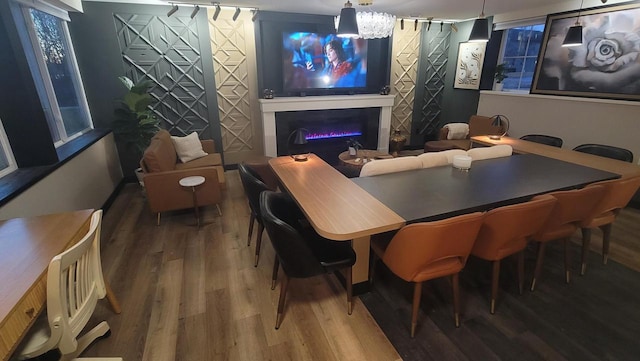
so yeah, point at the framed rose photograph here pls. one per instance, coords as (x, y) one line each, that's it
(605, 65)
(469, 65)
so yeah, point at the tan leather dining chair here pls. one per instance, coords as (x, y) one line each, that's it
(423, 251)
(572, 208)
(505, 231)
(617, 194)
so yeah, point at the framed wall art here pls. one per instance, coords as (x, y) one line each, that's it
(606, 65)
(469, 65)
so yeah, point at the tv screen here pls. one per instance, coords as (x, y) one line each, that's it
(321, 61)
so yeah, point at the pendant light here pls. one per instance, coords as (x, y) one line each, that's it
(480, 30)
(348, 26)
(574, 34)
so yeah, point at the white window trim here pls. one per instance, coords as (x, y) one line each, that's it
(6, 148)
(503, 45)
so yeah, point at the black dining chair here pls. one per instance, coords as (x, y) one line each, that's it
(608, 151)
(543, 139)
(300, 251)
(253, 186)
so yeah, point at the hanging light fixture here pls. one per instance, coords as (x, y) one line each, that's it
(173, 10)
(480, 30)
(348, 24)
(372, 25)
(574, 34)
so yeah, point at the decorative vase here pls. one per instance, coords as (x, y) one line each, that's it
(396, 143)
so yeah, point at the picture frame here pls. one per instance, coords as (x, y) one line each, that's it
(469, 65)
(606, 65)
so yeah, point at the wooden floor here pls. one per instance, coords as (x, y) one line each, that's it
(190, 294)
(193, 294)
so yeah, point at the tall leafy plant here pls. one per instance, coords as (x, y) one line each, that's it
(135, 124)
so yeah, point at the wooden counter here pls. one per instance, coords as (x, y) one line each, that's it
(27, 245)
(588, 160)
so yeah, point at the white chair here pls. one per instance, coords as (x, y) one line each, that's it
(384, 166)
(433, 159)
(497, 151)
(74, 285)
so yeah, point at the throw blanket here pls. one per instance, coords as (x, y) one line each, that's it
(457, 130)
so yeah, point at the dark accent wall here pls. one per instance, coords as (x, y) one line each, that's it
(97, 38)
(268, 31)
(491, 60)
(458, 104)
(20, 108)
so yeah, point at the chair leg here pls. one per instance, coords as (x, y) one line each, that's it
(158, 221)
(283, 294)
(520, 271)
(349, 291)
(219, 210)
(373, 258)
(417, 292)
(258, 243)
(252, 220)
(606, 237)
(274, 275)
(536, 273)
(455, 285)
(495, 280)
(586, 240)
(567, 261)
(83, 342)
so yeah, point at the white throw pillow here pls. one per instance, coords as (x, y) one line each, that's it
(188, 148)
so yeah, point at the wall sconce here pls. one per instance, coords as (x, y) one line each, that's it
(574, 34)
(348, 26)
(480, 30)
(299, 139)
(500, 121)
(217, 12)
(173, 10)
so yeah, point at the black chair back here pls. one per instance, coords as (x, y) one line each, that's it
(608, 151)
(543, 139)
(279, 214)
(253, 186)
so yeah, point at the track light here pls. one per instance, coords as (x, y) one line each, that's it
(217, 12)
(196, 8)
(255, 14)
(441, 25)
(236, 14)
(173, 10)
(429, 25)
(401, 24)
(415, 25)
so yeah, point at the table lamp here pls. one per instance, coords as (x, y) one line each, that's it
(501, 121)
(299, 138)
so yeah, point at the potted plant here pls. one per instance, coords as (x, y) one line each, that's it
(135, 124)
(353, 146)
(500, 75)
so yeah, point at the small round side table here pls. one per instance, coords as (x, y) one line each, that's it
(362, 156)
(193, 182)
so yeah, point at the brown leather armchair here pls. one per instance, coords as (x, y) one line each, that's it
(505, 232)
(572, 208)
(617, 194)
(423, 251)
(162, 173)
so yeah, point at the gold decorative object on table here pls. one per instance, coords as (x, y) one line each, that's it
(396, 142)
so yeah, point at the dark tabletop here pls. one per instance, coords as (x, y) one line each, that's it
(442, 192)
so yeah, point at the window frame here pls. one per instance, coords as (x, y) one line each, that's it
(5, 147)
(503, 46)
(40, 73)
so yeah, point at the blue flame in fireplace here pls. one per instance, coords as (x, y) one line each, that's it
(334, 134)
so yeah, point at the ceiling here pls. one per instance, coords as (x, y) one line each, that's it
(438, 9)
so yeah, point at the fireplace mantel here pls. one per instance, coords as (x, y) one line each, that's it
(269, 108)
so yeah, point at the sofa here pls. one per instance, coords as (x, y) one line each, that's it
(163, 170)
(478, 125)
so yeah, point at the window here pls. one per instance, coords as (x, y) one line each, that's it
(53, 65)
(520, 48)
(7, 163)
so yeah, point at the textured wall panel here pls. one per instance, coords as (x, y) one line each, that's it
(166, 50)
(233, 51)
(435, 52)
(404, 68)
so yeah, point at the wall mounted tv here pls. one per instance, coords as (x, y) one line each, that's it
(315, 61)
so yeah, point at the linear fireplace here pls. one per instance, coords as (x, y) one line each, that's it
(331, 120)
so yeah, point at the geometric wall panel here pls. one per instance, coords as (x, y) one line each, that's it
(233, 51)
(166, 51)
(435, 54)
(404, 68)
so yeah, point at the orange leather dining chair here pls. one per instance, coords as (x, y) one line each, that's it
(617, 194)
(506, 231)
(423, 251)
(572, 208)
